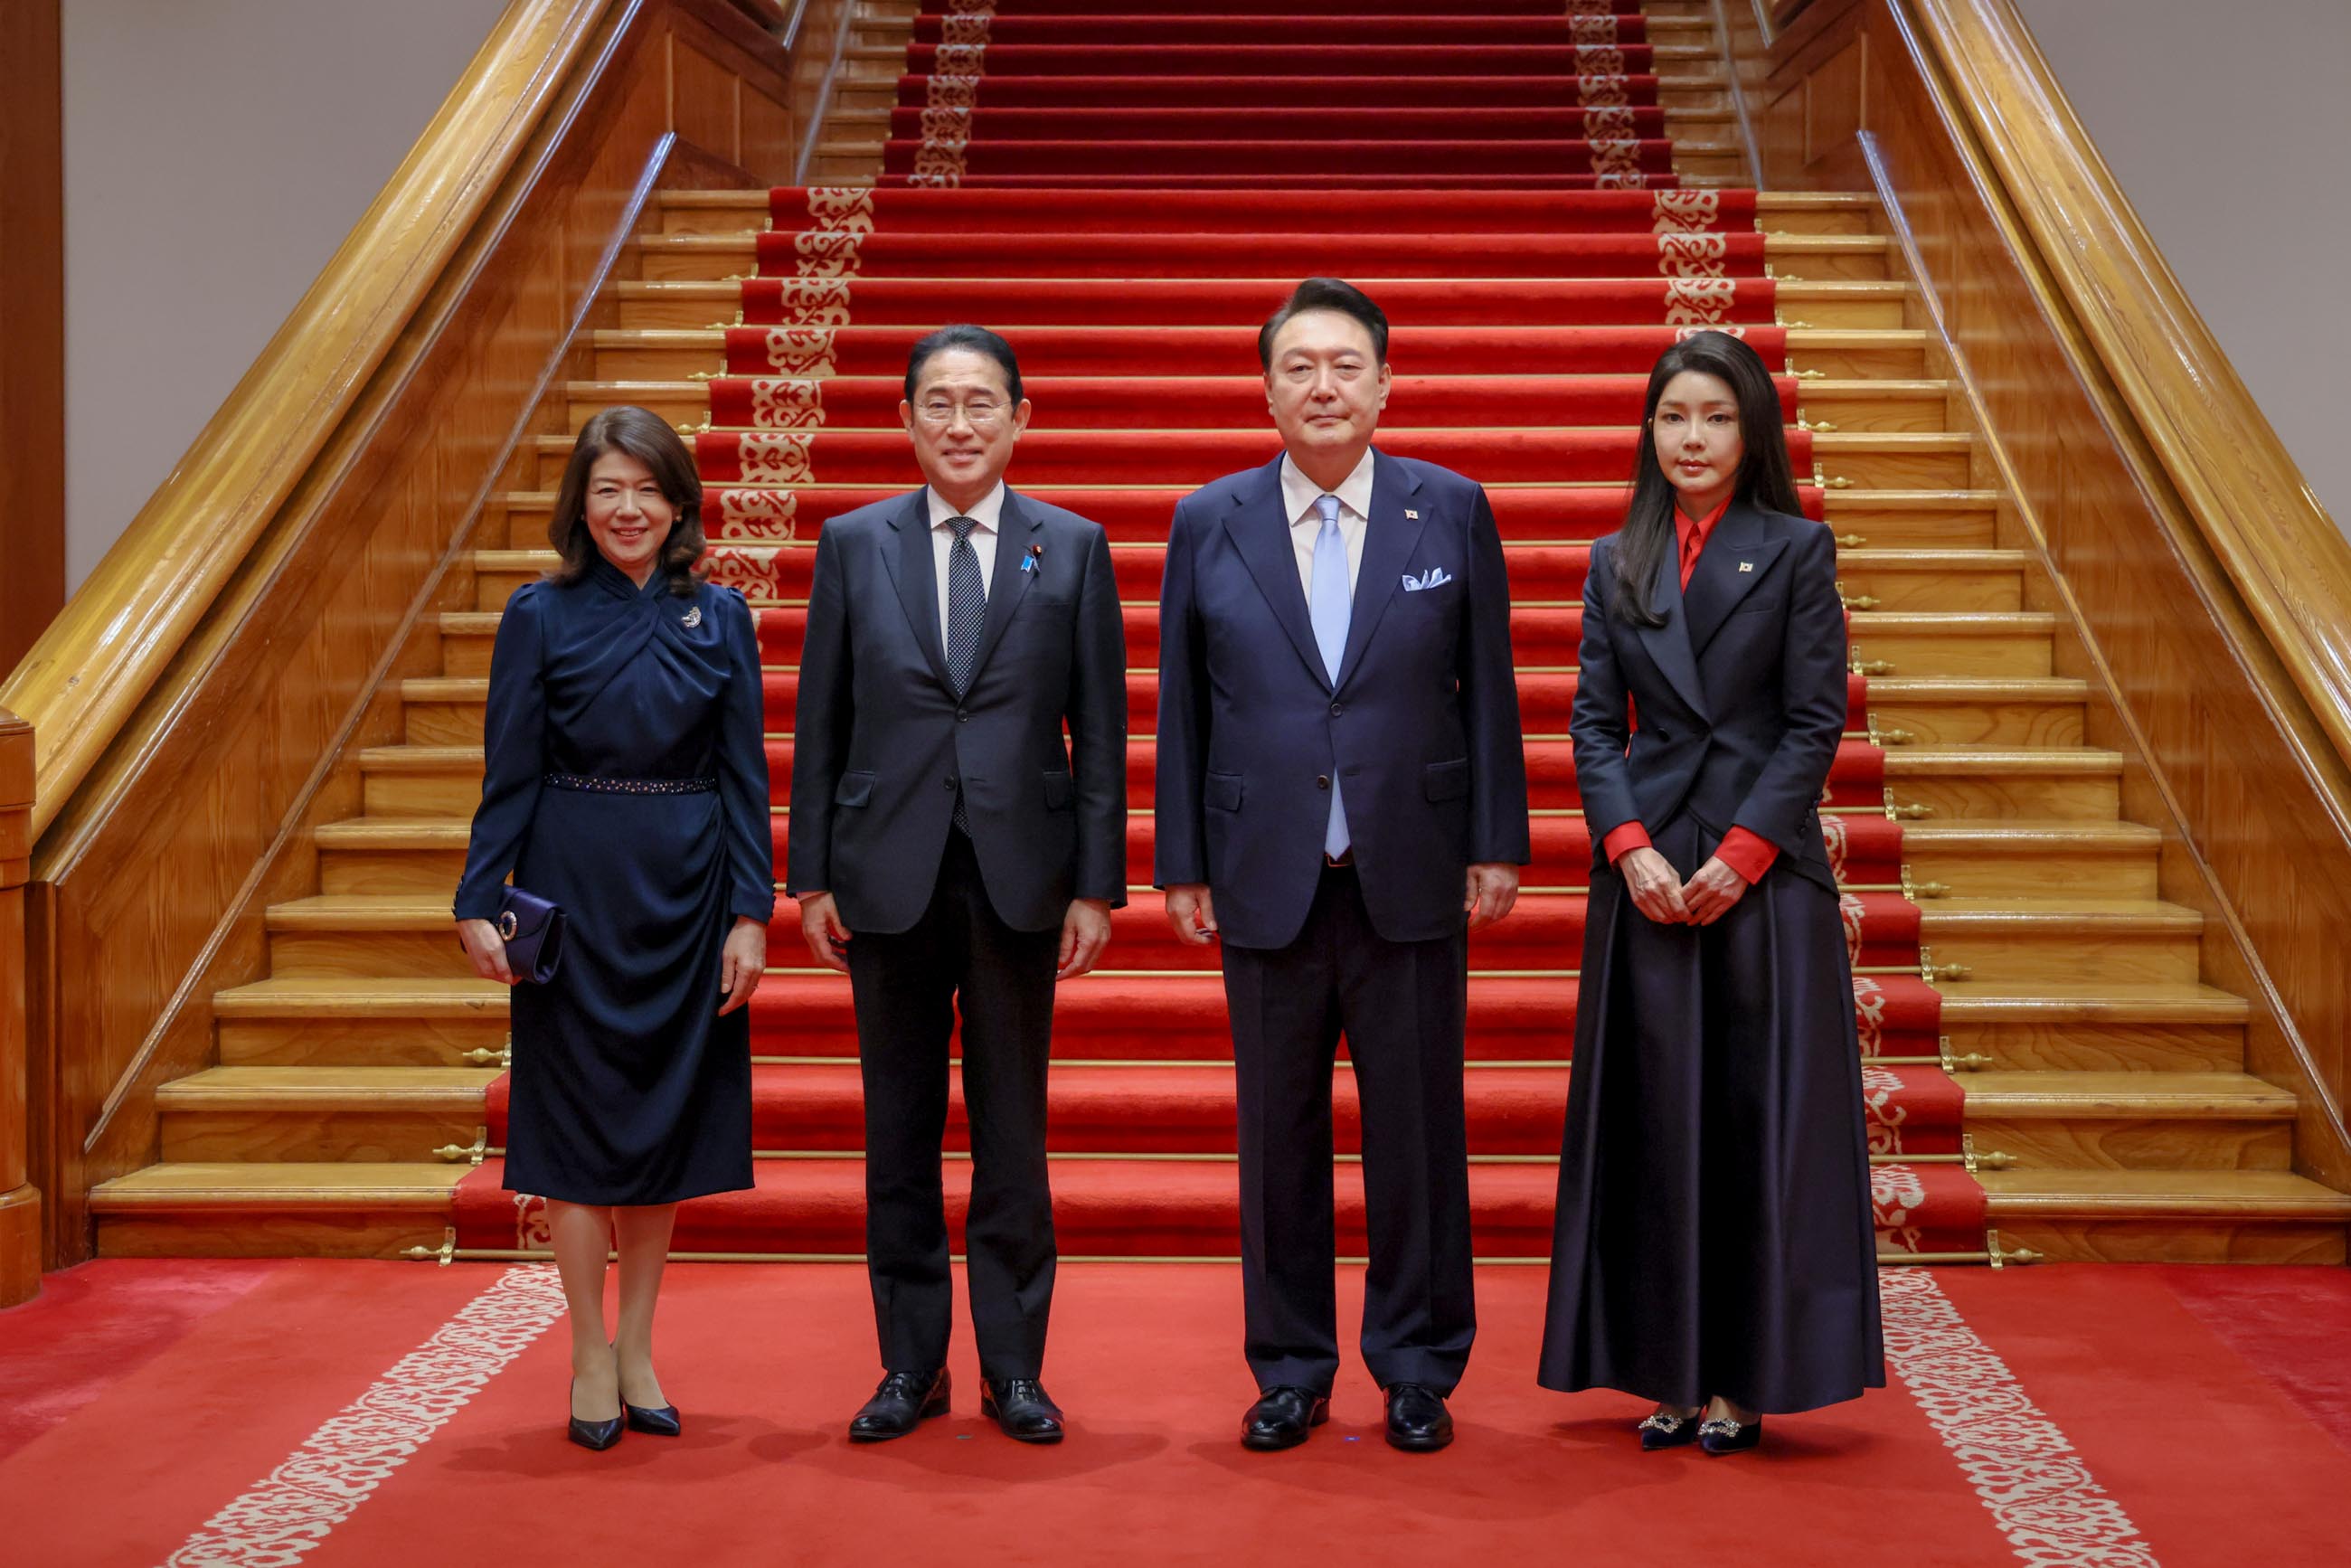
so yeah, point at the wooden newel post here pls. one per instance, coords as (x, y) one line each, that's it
(20, 1205)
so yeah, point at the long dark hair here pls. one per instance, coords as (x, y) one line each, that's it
(647, 437)
(1765, 477)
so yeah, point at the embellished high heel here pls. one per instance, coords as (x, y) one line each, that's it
(596, 1434)
(1723, 1436)
(1663, 1429)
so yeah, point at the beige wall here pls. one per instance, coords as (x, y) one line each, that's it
(216, 152)
(2229, 127)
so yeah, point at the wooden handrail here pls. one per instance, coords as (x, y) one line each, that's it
(20, 1201)
(83, 680)
(2281, 551)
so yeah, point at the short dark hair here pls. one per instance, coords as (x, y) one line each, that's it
(963, 335)
(647, 437)
(1325, 294)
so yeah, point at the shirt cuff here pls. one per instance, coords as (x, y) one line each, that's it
(1631, 836)
(1749, 855)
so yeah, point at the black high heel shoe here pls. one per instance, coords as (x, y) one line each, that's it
(661, 1423)
(596, 1434)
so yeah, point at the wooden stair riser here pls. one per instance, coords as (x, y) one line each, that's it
(2042, 873)
(2155, 1238)
(2023, 722)
(696, 305)
(2215, 1141)
(384, 1042)
(2046, 797)
(360, 1233)
(316, 1135)
(2100, 1046)
(2043, 952)
(2019, 647)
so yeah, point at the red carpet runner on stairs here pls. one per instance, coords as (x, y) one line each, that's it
(1504, 189)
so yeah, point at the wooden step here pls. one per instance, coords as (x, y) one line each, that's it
(1987, 645)
(2009, 711)
(1810, 258)
(2073, 1025)
(2171, 1217)
(2023, 943)
(2032, 859)
(2131, 1121)
(1853, 407)
(266, 1210)
(1828, 307)
(1965, 784)
(315, 1113)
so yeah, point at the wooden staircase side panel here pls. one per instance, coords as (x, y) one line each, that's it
(150, 882)
(2225, 746)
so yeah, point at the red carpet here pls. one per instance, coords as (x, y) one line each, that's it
(2128, 1430)
(1041, 179)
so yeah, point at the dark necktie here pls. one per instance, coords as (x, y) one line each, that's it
(967, 607)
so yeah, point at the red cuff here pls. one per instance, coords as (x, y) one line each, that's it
(1749, 855)
(1631, 836)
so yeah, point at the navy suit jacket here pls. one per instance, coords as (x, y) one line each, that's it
(880, 741)
(1742, 693)
(1421, 727)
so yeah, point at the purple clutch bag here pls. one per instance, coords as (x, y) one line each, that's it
(532, 929)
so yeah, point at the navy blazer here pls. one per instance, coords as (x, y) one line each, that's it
(1742, 693)
(1421, 726)
(880, 741)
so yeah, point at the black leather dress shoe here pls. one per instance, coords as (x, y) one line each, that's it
(1282, 1417)
(597, 1435)
(1418, 1422)
(1022, 1408)
(1723, 1436)
(904, 1401)
(660, 1423)
(1664, 1429)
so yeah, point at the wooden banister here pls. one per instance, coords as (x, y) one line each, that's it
(2202, 590)
(199, 707)
(20, 1202)
(2245, 493)
(101, 657)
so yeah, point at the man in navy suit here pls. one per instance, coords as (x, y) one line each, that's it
(955, 855)
(1342, 798)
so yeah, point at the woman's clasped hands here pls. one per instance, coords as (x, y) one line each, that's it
(1666, 899)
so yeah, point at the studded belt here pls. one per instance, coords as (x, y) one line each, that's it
(599, 784)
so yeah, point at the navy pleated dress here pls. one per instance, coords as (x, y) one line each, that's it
(626, 780)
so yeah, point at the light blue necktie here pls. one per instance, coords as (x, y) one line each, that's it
(1330, 605)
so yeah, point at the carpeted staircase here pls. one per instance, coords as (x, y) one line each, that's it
(1125, 189)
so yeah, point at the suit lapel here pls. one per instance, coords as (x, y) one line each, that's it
(916, 579)
(1260, 533)
(1389, 540)
(1016, 531)
(1737, 556)
(1669, 644)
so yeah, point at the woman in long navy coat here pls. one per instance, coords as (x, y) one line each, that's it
(626, 781)
(1714, 1248)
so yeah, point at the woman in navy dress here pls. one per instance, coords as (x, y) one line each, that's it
(626, 781)
(1714, 1250)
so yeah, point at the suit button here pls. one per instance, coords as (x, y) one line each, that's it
(948, 782)
(1322, 781)
(1661, 735)
(1338, 708)
(962, 717)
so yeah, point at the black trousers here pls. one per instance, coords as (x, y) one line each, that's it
(1401, 1007)
(908, 987)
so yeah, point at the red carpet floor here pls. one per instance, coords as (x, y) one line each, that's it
(203, 1414)
(1123, 189)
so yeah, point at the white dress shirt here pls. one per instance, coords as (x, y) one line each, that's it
(983, 543)
(1298, 494)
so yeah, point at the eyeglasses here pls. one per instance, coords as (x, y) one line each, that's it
(983, 416)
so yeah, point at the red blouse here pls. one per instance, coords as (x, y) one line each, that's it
(1749, 855)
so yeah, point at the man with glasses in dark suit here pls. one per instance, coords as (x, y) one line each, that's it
(953, 854)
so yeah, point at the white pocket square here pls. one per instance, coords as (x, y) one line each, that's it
(1435, 577)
